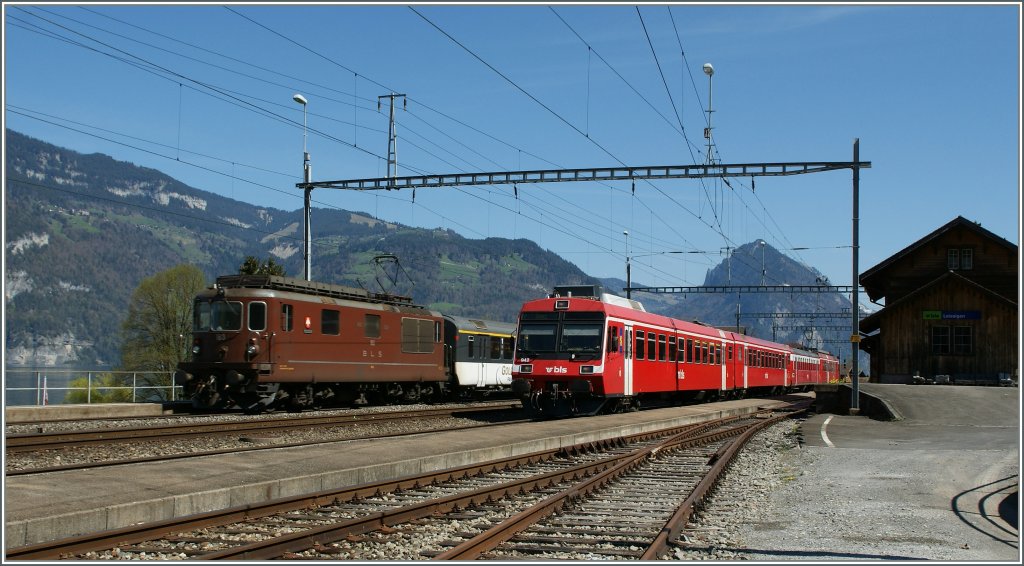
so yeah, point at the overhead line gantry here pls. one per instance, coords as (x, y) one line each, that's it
(632, 174)
(588, 174)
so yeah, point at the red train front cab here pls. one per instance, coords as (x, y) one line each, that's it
(564, 364)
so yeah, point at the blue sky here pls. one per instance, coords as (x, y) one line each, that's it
(931, 91)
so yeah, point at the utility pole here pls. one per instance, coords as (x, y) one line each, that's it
(307, 178)
(855, 334)
(628, 283)
(392, 137)
(709, 71)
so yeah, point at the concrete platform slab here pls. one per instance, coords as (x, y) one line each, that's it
(63, 504)
(15, 415)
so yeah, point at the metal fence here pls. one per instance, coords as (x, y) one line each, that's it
(53, 387)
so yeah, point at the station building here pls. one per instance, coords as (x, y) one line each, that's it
(951, 310)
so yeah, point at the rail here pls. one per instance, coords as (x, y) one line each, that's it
(39, 387)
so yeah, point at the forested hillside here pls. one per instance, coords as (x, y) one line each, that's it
(83, 231)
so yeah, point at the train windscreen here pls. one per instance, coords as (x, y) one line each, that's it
(553, 335)
(217, 315)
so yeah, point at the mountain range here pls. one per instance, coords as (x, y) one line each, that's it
(82, 231)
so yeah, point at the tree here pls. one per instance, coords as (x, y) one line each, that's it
(105, 388)
(157, 332)
(252, 266)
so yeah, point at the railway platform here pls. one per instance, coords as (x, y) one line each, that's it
(44, 413)
(56, 505)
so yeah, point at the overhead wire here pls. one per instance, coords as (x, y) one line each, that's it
(337, 140)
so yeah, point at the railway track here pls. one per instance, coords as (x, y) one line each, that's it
(180, 440)
(63, 439)
(518, 508)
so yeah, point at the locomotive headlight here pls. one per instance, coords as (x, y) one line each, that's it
(252, 349)
(586, 369)
(526, 368)
(195, 347)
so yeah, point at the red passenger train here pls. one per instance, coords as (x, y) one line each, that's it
(583, 352)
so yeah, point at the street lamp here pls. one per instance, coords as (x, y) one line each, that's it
(709, 71)
(307, 176)
(628, 292)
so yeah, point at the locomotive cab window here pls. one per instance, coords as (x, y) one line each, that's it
(581, 337)
(257, 316)
(287, 314)
(613, 339)
(217, 316)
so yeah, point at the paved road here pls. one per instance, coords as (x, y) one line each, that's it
(940, 484)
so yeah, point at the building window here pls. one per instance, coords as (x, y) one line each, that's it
(963, 340)
(940, 340)
(967, 258)
(952, 258)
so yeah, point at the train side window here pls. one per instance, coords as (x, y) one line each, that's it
(651, 351)
(661, 347)
(672, 350)
(613, 339)
(257, 316)
(728, 352)
(712, 358)
(371, 326)
(287, 312)
(718, 354)
(640, 344)
(508, 348)
(330, 322)
(495, 348)
(704, 353)
(471, 347)
(689, 350)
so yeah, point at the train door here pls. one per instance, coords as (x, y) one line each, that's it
(720, 360)
(741, 356)
(480, 363)
(627, 362)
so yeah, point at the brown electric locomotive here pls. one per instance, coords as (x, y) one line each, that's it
(263, 342)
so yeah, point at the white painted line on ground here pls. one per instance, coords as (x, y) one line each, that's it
(824, 436)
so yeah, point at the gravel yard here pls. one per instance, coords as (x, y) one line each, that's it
(825, 504)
